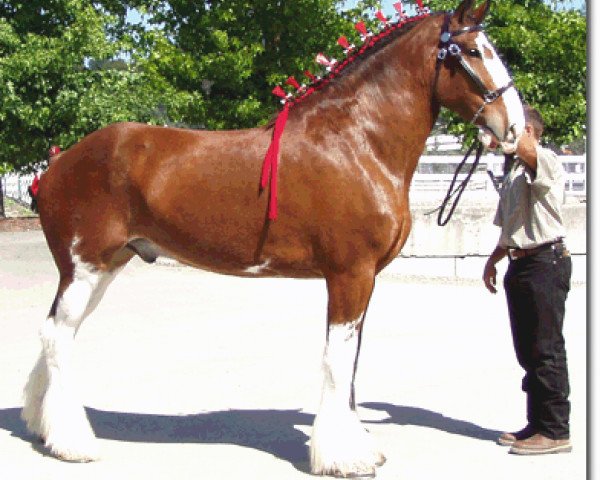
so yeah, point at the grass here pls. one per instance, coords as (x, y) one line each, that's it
(16, 209)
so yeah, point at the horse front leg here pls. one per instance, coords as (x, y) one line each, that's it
(340, 445)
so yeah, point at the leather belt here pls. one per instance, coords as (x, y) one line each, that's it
(558, 246)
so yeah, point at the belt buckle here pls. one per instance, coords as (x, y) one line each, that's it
(560, 250)
(512, 253)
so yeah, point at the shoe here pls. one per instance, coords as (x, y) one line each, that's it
(508, 438)
(539, 444)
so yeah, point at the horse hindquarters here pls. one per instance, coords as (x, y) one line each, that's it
(340, 445)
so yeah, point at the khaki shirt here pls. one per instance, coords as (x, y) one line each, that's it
(529, 212)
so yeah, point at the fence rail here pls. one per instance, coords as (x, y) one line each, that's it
(435, 173)
(15, 187)
(425, 184)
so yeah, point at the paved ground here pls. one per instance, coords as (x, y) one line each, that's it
(189, 375)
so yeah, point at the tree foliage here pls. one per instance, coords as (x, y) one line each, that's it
(235, 51)
(56, 84)
(68, 67)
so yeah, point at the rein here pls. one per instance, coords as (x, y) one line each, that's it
(441, 221)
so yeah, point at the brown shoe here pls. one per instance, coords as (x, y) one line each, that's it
(539, 444)
(508, 438)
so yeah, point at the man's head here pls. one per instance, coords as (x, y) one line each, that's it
(534, 121)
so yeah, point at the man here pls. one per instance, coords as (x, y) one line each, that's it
(53, 152)
(33, 191)
(536, 285)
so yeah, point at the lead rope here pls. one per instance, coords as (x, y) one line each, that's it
(461, 187)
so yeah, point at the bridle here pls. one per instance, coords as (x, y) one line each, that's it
(447, 47)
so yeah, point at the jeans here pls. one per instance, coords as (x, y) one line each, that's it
(536, 291)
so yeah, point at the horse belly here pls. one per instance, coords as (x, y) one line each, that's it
(218, 223)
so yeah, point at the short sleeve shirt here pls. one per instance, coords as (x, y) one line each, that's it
(529, 212)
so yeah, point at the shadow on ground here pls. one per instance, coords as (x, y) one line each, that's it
(270, 431)
(400, 415)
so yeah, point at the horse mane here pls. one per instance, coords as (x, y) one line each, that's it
(361, 55)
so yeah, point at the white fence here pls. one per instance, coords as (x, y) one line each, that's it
(431, 180)
(434, 174)
(15, 187)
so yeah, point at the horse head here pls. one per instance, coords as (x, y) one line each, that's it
(472, 80)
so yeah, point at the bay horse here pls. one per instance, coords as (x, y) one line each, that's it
(347, 157)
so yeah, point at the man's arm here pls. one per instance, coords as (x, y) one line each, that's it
(527, 148)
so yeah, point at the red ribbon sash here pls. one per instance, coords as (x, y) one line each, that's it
(271, 159)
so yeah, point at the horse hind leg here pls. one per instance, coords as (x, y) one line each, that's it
(51, 409)
(340, 445)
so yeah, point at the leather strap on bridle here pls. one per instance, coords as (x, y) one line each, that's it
(446, 47)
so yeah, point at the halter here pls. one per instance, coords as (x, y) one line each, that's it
(446, 47)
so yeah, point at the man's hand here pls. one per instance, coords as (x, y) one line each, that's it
(489, 271)
(489, 276)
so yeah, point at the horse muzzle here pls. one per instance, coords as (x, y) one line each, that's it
(491, 139)
(511, 140)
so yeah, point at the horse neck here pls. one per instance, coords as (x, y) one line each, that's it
(387, 101)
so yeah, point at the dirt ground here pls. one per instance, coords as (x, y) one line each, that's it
(19, 224)
(19, 218)
(188, 375)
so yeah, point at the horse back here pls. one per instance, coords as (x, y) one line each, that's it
(194, 194)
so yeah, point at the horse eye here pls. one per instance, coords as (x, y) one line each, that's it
(473, 52)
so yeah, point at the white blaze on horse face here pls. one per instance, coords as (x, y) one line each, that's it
(501, 77)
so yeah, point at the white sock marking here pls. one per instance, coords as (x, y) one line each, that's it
(340, 445)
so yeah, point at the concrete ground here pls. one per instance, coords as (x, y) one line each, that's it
(190, 375)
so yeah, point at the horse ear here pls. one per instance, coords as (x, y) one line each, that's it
(462, 9)
(465, 13)
(480, 12)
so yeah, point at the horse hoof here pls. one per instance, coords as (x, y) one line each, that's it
(76, 457)
(355, 470)
(78, 454)
(365, 472)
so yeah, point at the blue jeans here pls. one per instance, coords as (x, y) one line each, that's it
(536, 291)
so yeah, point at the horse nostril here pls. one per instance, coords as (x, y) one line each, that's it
(511, 134)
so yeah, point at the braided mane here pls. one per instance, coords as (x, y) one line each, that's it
(372, 45)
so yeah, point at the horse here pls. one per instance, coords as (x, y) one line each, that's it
(347, 156)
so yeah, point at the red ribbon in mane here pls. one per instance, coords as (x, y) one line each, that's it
(271, 159)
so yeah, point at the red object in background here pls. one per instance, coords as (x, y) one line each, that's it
(35, 185)
(54, 150)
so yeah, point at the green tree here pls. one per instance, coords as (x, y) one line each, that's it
(58, 85)
(68, 67)
(235, 51)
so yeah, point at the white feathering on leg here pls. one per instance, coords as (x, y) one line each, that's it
(340, 445)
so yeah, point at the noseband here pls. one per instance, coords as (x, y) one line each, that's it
(447, 47)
